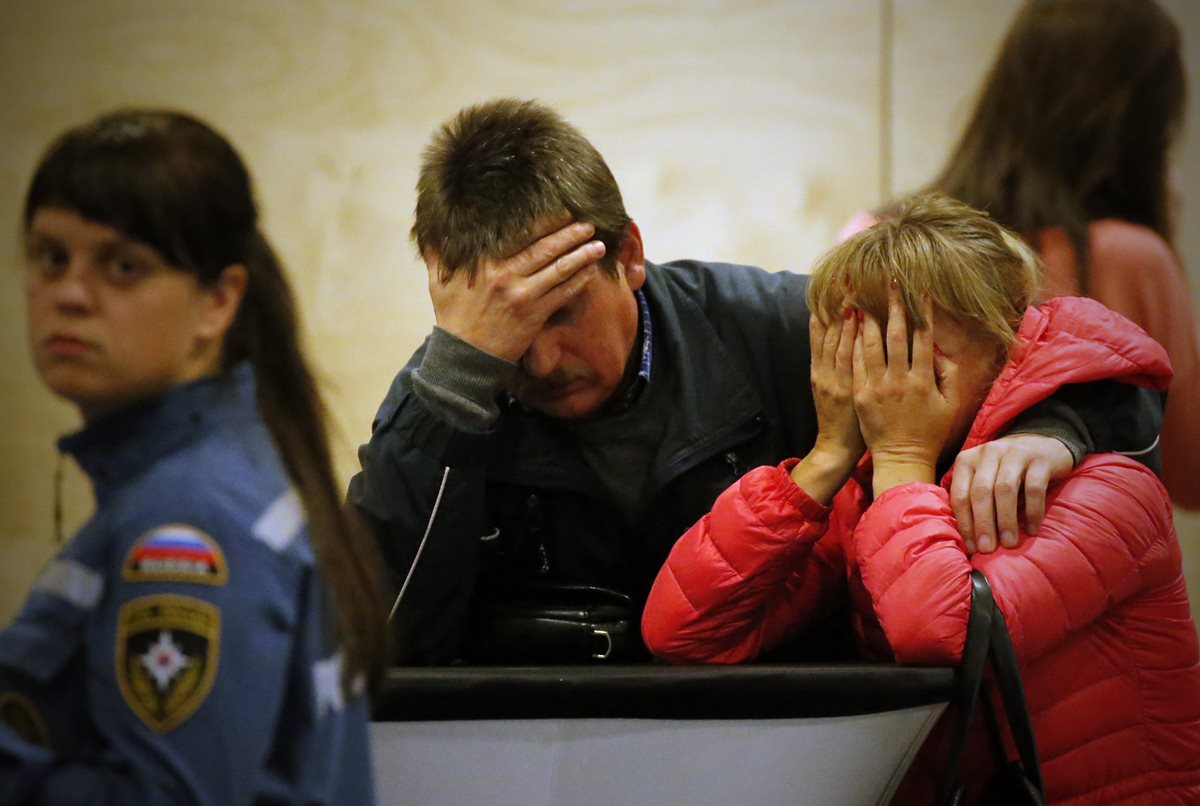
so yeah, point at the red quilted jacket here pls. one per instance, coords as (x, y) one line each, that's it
(1095, 602)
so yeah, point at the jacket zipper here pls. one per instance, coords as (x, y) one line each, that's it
(720, 443)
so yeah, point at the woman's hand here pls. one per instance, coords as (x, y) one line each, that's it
(839, 443)
(905, 410)
(832, 374)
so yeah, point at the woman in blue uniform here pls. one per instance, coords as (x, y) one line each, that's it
(207, 637)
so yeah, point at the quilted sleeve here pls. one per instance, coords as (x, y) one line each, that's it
(748, 575)
(1107, 535)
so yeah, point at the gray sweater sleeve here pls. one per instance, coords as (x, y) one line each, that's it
(1053, 418)
(460, 382)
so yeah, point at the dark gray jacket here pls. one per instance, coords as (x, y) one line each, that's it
(520, 503)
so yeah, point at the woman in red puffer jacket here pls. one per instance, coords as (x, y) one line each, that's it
(922, 348)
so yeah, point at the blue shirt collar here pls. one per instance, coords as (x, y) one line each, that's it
(116, 446)
(647, 335)
(632, 389)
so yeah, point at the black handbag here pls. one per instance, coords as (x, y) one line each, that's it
(1015, 782)
(555, 624)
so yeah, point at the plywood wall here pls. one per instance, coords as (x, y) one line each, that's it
(742, 130)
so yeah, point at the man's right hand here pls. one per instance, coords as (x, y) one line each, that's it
(503, 307)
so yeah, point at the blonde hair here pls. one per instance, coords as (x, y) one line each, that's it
(972, 269)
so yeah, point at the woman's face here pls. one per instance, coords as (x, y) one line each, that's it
(110, 322)
(975, 359)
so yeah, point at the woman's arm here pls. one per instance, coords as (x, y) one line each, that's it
(748, 575)
(1107, 534)
(760, 565)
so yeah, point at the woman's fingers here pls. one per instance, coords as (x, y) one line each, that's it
(897, 330)
(869, 355)
(922, 349)
(845, 346)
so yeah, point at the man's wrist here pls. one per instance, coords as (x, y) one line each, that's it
(461, 382)
(1052, 418)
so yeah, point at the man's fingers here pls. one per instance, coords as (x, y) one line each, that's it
(993, 476)
(1037, 479)
(549, 249)
(960, 499)
(562, 293)
(982, 495)
(537, 289)
(566, 266)
(1005, 493)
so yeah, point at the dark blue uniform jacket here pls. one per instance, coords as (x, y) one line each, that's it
(178, 649)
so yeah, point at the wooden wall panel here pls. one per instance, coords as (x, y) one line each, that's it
(739, 130)
(742, 130)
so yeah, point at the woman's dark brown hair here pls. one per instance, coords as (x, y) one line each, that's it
(1075, 121)
(170, 181)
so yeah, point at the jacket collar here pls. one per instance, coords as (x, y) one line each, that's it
(1067, 340)
(713, 396)
(120, 445)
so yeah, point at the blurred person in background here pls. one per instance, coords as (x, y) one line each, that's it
(208, 635)
(1070, 145)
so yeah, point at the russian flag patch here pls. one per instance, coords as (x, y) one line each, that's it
(175, 553)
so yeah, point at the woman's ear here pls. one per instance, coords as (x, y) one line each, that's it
(630, 258)
(224, 298)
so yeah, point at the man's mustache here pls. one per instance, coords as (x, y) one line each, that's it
(557, 379)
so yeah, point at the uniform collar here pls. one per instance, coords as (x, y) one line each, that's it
(117, 446)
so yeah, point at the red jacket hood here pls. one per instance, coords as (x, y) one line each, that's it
(1063, 341)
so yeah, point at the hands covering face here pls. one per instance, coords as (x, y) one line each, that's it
(906, 407)
(871, 393)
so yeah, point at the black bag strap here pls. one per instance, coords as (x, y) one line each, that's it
(1012, 692)
(987, 635)
(970, 678)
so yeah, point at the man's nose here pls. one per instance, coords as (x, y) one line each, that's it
(542, 356)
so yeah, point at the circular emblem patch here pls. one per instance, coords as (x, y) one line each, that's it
(166, 656)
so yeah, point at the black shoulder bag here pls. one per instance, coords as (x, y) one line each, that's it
(1015, 782)
(555, 624)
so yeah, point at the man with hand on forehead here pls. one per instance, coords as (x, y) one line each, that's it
(577, 408)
